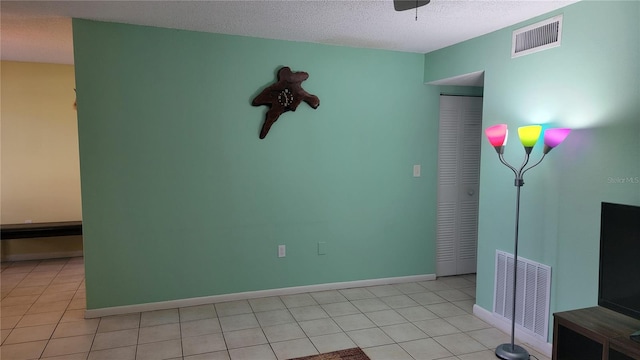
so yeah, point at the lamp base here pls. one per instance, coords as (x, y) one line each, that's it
(507, 352)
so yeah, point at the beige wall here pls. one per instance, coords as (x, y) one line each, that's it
(40, 172)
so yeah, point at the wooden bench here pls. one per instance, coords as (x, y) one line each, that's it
(38, 230)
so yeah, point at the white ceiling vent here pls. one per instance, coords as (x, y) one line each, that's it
(537, 37)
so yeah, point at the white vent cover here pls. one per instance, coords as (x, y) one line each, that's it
(533, 294)
(537, 37)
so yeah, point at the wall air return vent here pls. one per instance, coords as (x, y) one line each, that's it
(537, 37)
(533, 294)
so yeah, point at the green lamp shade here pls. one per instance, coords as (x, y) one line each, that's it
(529, 134)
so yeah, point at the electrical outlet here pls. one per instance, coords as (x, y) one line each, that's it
(416, 170)
(28, 221)
(282, 251)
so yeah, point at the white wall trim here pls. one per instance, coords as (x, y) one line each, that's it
(43, 256)
(171, 304)
(498, 322)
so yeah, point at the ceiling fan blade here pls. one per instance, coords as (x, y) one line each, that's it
(401, 5)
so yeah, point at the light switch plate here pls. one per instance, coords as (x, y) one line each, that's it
(322, 248)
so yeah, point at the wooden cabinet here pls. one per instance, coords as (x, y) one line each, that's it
(594, 333)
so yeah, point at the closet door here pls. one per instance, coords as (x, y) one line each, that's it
(460, 136)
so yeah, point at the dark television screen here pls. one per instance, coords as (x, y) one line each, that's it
(619, 286)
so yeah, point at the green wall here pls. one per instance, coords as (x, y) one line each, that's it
(180, 197)
(591, 84)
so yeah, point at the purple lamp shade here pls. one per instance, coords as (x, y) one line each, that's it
(497, 134)
(553, 137)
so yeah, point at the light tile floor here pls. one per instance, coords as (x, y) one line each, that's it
(43, 303)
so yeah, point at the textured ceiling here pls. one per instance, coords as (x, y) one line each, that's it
(40, 31)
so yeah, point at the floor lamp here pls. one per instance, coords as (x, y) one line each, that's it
(529, 135)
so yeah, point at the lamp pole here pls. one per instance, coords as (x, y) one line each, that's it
(512, 351)
(515, 265)
(528, 136)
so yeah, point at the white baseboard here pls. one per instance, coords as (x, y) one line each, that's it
(544, 348)
(163, 305)
(42, 256)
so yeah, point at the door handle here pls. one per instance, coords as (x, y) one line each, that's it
(470, 192)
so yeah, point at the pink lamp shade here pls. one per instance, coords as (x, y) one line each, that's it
(553, 137)
(497, 134)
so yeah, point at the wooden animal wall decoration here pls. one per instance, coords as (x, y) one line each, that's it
(284, 95)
